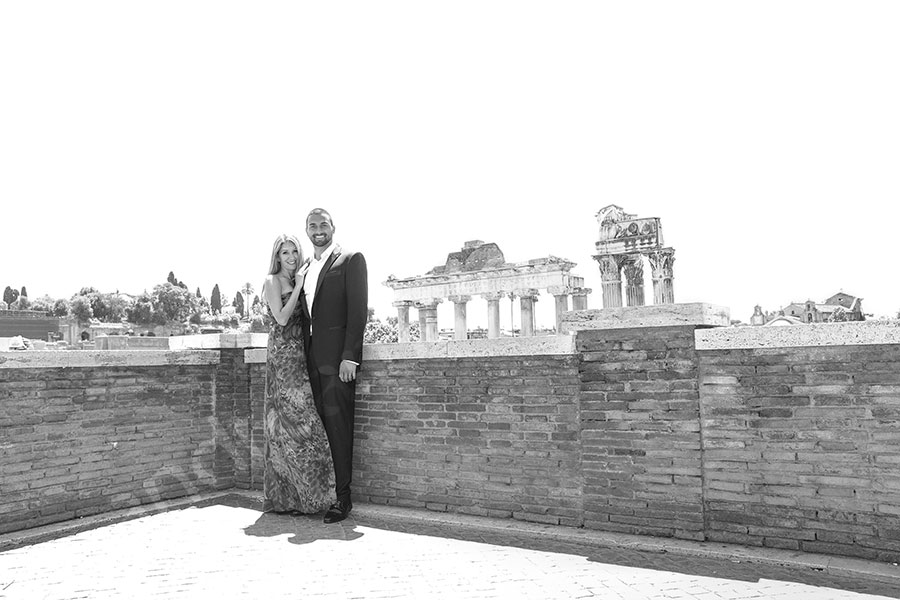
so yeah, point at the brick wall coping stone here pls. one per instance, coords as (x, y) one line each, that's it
(208, 341)
(856, 333)
(655, 315)
(53, 359)
(523, 346)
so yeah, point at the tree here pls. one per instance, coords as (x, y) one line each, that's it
(247, 291)
(378, 332)
(10, 295)
(60, 308)
(167, 303)
(215, 300)
(174, 302)
(239, 303)
(174, 280)
(142, 312)
(24, 294)
(80, 308)
(44, 304)
(199, 295)
(107, 307)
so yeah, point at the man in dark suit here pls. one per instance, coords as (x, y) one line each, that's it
(335, 307)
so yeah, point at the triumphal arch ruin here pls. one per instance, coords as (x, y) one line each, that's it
(623, 243)
(479, 269)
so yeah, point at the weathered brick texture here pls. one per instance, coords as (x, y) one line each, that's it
(83, 441)
(801, 448)
(636, 431)
(493, 436)
(640, 431)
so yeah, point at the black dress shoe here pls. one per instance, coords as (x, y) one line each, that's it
(338, 511)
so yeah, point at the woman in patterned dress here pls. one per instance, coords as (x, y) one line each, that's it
(299, 473)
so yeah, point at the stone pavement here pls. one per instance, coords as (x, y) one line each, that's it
(224, 547)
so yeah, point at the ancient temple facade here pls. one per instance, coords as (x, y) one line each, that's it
(624, 243)
(479, 269)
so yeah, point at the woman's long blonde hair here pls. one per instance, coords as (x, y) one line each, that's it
(275, 263)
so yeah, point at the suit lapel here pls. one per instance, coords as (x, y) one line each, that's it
(334, 256)
(307, 309)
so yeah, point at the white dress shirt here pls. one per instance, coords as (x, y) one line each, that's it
(312, 275)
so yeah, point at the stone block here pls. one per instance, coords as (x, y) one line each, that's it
(657, 315)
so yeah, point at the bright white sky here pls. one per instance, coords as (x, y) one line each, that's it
(142, 138)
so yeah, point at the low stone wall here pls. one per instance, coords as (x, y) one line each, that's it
(483, 427)
(85, 432)
(800, 437)
(780, 437)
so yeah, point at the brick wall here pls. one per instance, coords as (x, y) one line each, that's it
(493, 435)
(640, 431)
(87, 440)
(801, 448)
(644, 430)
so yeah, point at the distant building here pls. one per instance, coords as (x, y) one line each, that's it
(839, 307)
(30, 324)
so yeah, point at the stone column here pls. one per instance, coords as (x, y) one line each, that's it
(402, 307)
(633, 267)
(527, 298)
(661, 263)
(459, 313)
(421, 308)
(561, 295)
(610, 276)
(493, 316)
(579, 298)
(428, 320)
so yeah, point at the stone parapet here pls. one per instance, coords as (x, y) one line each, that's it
(549, 345)
(792, 336)
(658, 315)
(219, 340)
(31, 359)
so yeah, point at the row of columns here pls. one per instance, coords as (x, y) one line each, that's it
(632, 265)
(428, 321)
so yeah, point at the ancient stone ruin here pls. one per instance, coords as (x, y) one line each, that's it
(623, 243)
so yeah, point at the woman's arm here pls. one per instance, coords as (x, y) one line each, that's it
(283, 312)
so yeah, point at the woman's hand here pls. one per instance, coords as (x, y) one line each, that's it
(300, 275)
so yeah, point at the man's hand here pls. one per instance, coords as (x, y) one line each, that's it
(348, 371)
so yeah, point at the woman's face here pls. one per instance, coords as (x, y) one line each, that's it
(288, 255)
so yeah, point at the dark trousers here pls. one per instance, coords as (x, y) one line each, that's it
(335, 403)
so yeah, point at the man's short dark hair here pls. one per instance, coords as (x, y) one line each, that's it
(320, 211)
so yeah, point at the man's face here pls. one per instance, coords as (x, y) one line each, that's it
(320, 230)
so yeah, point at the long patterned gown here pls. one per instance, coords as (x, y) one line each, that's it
(299, 475)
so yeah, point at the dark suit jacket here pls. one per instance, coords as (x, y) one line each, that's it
(339, 312)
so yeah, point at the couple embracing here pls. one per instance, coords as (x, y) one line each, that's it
(318, 309)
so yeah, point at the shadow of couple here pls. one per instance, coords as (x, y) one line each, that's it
(302, 528)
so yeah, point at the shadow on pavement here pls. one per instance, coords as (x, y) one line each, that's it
(303, 529)
(642, 559)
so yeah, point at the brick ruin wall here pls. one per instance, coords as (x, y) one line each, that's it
(636, 430)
